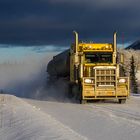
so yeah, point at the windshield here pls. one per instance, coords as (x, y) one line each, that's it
(98, 58)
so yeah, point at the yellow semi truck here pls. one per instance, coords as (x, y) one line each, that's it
(91, 70)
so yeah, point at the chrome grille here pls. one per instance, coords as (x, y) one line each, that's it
(105, 77)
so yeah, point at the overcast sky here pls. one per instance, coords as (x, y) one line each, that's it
(51, 22)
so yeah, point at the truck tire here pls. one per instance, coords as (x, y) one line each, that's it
(73, 91)
(122, 101)
(83, 101)
(70, 93)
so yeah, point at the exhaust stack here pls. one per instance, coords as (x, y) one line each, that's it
(115, 42)
(115, 47)
(76, 41)
(76, 58)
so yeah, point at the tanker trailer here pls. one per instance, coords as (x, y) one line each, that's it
(59, 66)
(58, 70)
(91, 71)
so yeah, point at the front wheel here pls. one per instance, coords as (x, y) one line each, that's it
(122, 101)
(83, 101)
(73, 91)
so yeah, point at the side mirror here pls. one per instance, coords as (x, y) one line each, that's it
(120, 59)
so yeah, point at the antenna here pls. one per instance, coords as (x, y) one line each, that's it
(122, 39)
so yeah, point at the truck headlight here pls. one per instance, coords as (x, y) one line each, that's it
(122, 80)
(89, 81)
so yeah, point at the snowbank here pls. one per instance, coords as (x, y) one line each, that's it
(21, 121)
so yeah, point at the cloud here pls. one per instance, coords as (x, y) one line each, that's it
(51, 22)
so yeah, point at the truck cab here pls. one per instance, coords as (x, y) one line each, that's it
(95, 70)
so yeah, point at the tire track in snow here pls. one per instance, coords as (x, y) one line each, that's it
(121, 113)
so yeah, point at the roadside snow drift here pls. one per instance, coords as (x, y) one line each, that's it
(21, 121)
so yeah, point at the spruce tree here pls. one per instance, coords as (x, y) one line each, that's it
(133, 79)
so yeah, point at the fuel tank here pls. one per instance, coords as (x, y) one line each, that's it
(59, 66)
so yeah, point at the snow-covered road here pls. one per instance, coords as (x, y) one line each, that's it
(28, 119)
(22, 121)
(97, 121)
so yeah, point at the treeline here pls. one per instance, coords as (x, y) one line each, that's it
(132, 68)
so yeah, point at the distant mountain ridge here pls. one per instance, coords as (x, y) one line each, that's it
(135, 45)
